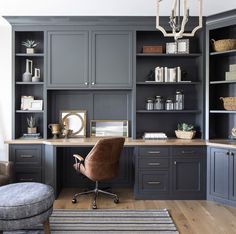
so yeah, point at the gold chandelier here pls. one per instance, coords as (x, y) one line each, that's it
(176, 25)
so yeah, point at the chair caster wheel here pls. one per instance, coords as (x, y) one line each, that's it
(74, 201)
(116, 200)
(94, 207)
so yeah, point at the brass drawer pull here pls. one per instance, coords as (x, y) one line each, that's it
(188, 152)
(154, 164)
(26, 156)
(30, 179)
(154, 152)
(153, 182)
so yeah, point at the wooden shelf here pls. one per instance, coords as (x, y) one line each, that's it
(168, 83)
(29, 83)
(223, 82)
(29, 55)
(223, 111)
(167, 55)
(29, 111)
(168, 111)
(228, 52)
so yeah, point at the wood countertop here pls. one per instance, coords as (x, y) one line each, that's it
(92, 141)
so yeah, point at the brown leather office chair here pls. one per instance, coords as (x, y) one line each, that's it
(101, 164)
(6, 172)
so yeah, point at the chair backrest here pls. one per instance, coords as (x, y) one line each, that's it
(102, 162)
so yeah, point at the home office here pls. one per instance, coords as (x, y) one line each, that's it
(121, 77)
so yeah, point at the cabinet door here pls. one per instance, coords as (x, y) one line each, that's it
(232, 176)
(112, 59)
(219, 172)
(188, 176)
(68, 59)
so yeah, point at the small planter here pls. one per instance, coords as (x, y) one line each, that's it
(32, 130)
(29, 50)
(185, 134)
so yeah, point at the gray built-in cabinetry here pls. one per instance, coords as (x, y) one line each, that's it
(96, 64)
(219, 121)
(222, 175)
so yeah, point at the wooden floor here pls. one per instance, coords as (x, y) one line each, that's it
(201, 217)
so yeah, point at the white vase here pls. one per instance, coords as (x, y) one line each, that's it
(29, 50)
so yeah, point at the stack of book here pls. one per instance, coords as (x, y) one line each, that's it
(31, 136)
(231, 74)
(165, 74)
(154, 136)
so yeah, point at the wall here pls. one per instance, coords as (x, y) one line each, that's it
(72, 7)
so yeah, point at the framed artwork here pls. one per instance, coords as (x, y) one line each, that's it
(106, 128)
(171, 48)
(74, 120)
(26, 102)
(36, 105)
(183, 46)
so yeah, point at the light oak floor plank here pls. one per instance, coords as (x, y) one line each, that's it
(190, 217)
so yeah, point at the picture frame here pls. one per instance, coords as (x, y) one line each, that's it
(74, 120)
(171, 48)
(183, 46)
(109, 128)
(26, 102)
(36, 105)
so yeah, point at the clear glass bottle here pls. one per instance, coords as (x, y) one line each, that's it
(179, 100)
(169, 105)
(158, 105)
(149, 104)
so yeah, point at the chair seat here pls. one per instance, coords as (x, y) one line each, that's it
(24, 200)
(3, 179)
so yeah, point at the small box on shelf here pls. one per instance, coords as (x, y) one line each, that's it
(153, 49)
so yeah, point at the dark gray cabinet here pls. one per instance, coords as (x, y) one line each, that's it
(170, 172)
(112, 58)
(221, 175)
(68, 59)
(28, 162)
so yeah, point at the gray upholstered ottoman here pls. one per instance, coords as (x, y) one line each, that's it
(24, 205)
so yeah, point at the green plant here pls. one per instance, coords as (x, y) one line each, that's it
(29, 44)
(31, 122)
(185, 127)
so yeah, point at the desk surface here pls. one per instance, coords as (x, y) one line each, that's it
(128, 142)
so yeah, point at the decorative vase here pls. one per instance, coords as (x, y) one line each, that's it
(29, 50)
(27, 76)
(31, 130)
(36, 77)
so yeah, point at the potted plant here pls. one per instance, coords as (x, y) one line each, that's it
(30, 45)
(185, 131)
(31, 125)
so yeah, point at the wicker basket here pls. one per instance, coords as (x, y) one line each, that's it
(185, 134)
(223, 45)
(229, 103)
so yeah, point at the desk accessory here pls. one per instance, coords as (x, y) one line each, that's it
(55, 129)
(154, 136)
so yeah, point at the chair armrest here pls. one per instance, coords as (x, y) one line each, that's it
(79, 157)
(6, 168)
(78, 160)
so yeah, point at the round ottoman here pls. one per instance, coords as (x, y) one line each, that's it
(24, 205)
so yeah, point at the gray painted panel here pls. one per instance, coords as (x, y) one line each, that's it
(232, 176)
(68, 58)
(219, 173)
(112, 58)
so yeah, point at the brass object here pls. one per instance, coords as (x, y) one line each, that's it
(55, 129)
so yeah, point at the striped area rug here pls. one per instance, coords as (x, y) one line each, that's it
(111, 222)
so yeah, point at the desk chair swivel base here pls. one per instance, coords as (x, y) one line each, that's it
(96, 191)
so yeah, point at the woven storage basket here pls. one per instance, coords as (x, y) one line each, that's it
(229, 103)
(185, 134)
(223, 45)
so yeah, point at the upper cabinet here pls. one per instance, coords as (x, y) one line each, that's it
(78, 60)
(68, 56)
(111, 59)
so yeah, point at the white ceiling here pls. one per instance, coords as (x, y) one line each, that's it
(104, 7)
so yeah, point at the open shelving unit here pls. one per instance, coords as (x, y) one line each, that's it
(219, 121)
(192, 63)
(21, 88)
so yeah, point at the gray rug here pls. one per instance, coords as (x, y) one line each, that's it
(109, 221)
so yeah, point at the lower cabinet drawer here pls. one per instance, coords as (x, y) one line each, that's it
(188, 151)
(151, 181)
(28, 175)
(153, 162)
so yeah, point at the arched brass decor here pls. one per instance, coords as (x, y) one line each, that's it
(74, 120)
